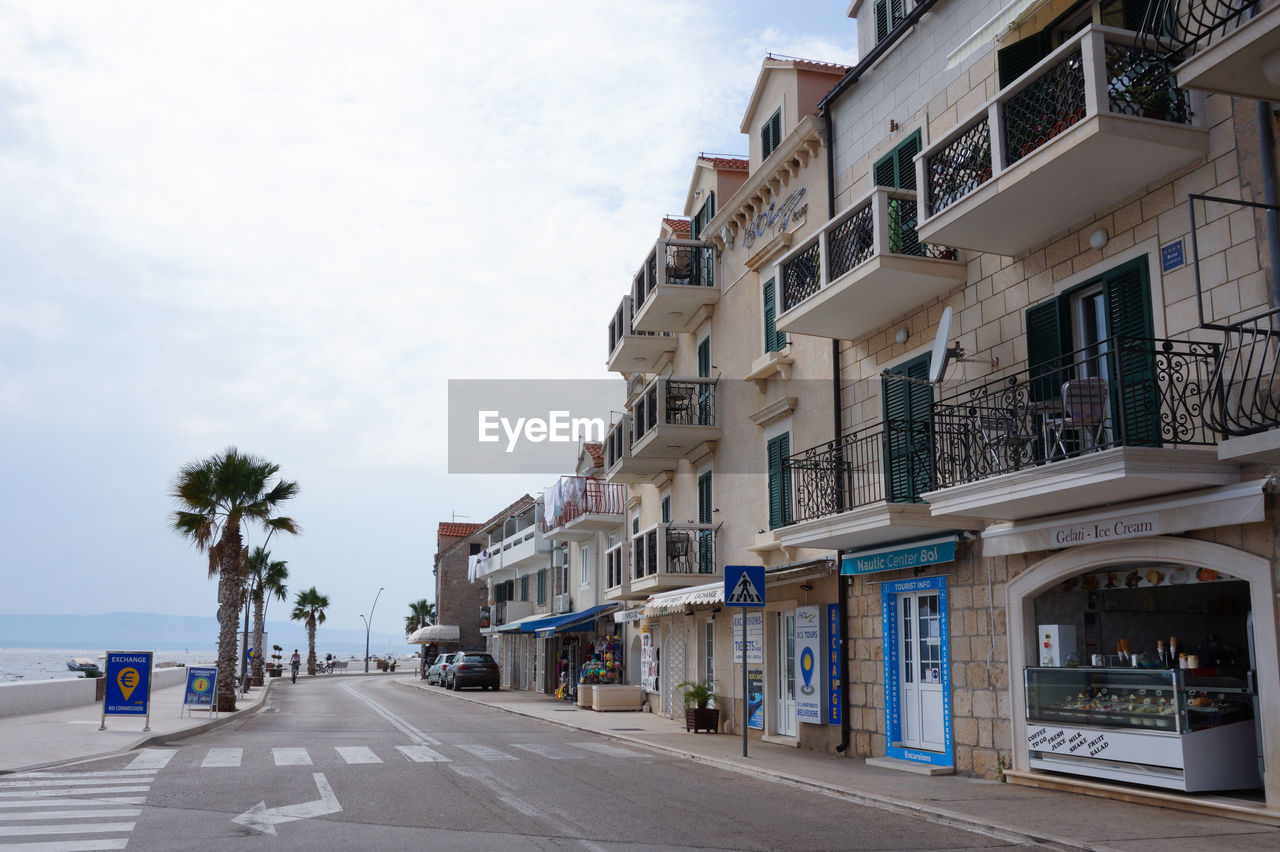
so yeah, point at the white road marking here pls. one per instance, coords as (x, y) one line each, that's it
(610, 750)
(72, 845)
(514, 802)
(92, 800)
(116, 773)
(152, 758)
(485, 752)
(117, 812)
(357, 754)
(400, 724)
(550, 752)
(264, 819)
(422, 754)
(223, 757)
(291, 756)
(12, 794)
(72, 782)
(90, 828)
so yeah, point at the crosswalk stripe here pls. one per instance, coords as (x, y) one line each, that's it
(13, 794)
(548, 751)
(72, 845)
(223, 757)
(115, 773)
(89, 800)
(485, 752)
(422, 754)
(152, 758)
(117, 812)
(291, 756)
(91, 828)
(610, 750)
(71, 782)
(357, 754)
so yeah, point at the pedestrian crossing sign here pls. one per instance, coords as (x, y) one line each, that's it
(744, 585)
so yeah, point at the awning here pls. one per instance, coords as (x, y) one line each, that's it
(627, 616)
(434, 633)
(1013, 14)
(569, 621)
(668, 603)
(516, 625)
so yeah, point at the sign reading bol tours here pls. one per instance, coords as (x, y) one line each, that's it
(128, 687)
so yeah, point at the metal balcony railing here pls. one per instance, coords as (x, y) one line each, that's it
(674, 402)
(890, 461)
(1192, 25)
(680, 262)
(621, 327)
(1121, 392)
(575, 496)
(1244, 390)
(513, 528)
(1099, 70)
(883, 222)
(673, 549)
(617, 442)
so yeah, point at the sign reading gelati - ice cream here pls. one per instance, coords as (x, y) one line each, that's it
(128, 678)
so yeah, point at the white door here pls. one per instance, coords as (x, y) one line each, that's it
(920, 671)
(785, 717)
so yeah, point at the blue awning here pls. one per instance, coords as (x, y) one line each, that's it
(568, 621)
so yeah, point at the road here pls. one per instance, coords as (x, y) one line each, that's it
(351, 763)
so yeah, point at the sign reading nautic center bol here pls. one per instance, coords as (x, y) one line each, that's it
(914, 555)
(128, 691)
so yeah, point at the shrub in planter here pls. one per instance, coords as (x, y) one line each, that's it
(697, 715)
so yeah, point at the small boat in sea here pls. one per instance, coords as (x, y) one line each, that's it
(81, 664)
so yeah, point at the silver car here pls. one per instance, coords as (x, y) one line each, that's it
(439, 669)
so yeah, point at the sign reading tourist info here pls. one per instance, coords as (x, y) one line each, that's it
(202, 686)
(128, 690)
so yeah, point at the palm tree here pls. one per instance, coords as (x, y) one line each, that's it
(266, 579)
(309, 607)
(421, 613)
(215, 496)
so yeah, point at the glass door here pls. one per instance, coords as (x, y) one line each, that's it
(920, 671)
(786, 674)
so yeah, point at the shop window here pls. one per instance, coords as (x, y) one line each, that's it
(778, 450)
(774, 340)
(771, 134)
(908, 454)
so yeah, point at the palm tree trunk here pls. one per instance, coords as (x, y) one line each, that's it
(311, 645)
(230, 598)
(259, 617)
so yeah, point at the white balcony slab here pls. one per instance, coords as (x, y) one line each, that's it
(874, 524)
(1245, 63)
(665, 581)
(673, 441)
(640, 353)
(674, 307)
(1262, 448)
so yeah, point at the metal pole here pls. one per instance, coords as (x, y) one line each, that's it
(367, 627)
(745, 705)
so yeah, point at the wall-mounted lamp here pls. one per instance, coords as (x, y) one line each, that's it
(1098, 239)
(805, 587)
(893, 126)
(697, 193)
(902, 335)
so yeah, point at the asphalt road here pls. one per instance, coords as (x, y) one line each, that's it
(352, 763)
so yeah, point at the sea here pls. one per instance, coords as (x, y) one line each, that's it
(29, 664)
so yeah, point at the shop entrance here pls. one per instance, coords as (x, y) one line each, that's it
(785, 686)
(920, 675)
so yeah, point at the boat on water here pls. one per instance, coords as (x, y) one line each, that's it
(81, 664)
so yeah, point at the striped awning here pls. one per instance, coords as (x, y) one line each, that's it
(668, 603)
(1011, 15)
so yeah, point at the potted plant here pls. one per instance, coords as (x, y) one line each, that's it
(697, 715)
(276, 668)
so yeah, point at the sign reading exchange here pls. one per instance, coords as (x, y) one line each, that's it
(128, 687)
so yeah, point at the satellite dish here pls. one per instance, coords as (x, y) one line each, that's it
(941, 355)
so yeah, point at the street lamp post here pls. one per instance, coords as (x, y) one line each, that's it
(367, 627)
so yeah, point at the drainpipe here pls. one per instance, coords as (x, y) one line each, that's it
(1266, 153)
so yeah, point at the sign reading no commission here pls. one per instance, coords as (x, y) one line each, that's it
(128, 691)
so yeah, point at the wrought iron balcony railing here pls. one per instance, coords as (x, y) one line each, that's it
(883, 222)
(680, 262)
(673, 402)
(1099, 70)
(890, 462)
(1121, 392)
(1192, 25)
(572, 497)
(673, 549)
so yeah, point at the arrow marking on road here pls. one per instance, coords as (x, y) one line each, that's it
(265, 819)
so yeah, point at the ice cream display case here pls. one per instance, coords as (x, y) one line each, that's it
(1161, 727)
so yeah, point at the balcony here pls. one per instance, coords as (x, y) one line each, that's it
(621, 465)
(675, 283)
(1120, 421)
(864, 490)
(673, 418)
(1231, 47)
(1244, 392)
(866, 268)
(505, 612)
(672, 556)
(1095, 121)
(617, 573)
(517, 543)
(632, 351)
(577, 507)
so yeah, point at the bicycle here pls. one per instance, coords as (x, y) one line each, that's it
(293, 667)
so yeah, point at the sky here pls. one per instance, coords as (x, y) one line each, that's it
(286, 226)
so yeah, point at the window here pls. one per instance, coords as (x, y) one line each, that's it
(771, 134)
(542, 586)
(774, 340)
(703, 216)
(666, 509)
(584, 571)
(1021, 56)
(909, 458)
(889, 13)
(897, 168)
(709, 651)
(475, 548)
(704, 357)
(778, 449)
(635, 524)
(706, 547)
(524, 588)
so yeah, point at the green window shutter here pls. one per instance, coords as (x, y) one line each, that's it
(542, 586)
(666, 510)
(1135, 401)
(779, 449)
(882, 20)
(704, 498)
(703, 216)
(885, 171)
(1019, 57)
(524, 588)
(908, 454)
(1047, 336)
(774, 340)
(704, 358)
(771, 134)
(904, 157)
(706, 552)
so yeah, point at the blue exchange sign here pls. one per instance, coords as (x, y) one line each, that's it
(128, 683)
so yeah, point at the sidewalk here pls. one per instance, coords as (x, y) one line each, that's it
(1010, 812)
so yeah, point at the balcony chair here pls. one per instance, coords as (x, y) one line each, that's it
(680, 264)
(1085, 404)
(1000, 439)
(679, 551)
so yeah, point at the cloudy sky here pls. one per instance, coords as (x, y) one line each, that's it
(285, 227)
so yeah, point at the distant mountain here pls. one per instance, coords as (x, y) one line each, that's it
(144, 631)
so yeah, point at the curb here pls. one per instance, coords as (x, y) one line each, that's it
(929, 814)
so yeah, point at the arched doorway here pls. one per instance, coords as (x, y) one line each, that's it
(1137, 554)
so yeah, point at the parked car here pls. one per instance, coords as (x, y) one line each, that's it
(472, 668)
(436, 674)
